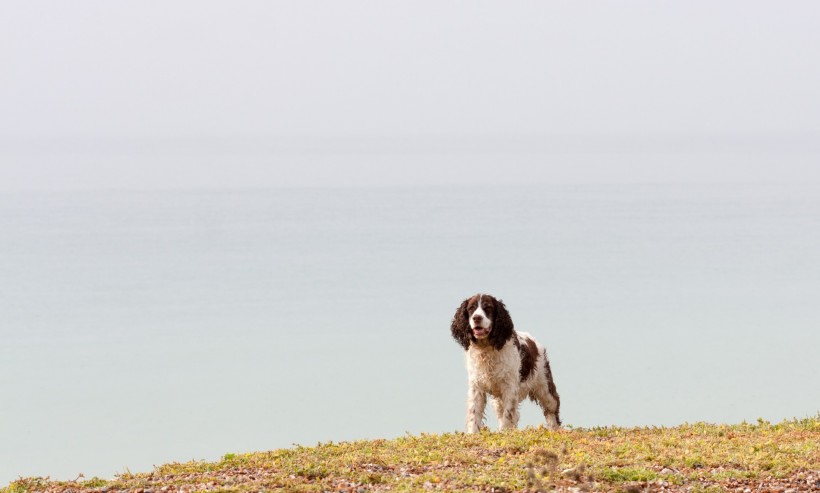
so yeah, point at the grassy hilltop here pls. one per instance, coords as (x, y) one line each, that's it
(782, 457)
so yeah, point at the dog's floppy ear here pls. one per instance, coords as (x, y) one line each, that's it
(460, 328)
(502, 328)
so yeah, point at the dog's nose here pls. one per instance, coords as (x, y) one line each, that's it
(477, 318)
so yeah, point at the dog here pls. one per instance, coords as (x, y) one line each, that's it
(503, 363)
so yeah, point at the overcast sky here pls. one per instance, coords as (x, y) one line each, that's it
(261, 93)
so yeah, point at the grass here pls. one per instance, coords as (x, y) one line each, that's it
(692, 458)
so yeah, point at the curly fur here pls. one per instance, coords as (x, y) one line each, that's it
(460, 328)
(502, 326)
(502, 363)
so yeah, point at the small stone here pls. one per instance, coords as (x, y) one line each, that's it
(666, 470)
(573, 472)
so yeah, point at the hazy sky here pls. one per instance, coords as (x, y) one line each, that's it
(260, 93)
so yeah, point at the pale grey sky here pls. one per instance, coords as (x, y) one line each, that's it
(262, 93)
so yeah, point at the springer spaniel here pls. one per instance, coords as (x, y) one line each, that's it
(506, 364)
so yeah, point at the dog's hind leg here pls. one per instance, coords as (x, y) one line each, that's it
(549, 405)
(546, 395)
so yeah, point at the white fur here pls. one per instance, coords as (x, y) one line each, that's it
(496, 372)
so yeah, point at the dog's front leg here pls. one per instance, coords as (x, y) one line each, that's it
(506, 408)
(509, 416)
(476, 401)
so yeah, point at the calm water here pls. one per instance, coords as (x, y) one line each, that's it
(140, 328)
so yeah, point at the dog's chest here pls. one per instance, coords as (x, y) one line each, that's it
(493, 370)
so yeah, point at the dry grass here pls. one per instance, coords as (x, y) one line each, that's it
(690, 458)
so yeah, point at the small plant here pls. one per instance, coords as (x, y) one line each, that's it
(25, 485)
(544, 470)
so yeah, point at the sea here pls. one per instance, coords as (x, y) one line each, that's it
(141, 327)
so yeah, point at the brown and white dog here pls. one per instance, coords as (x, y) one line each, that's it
(506, 364)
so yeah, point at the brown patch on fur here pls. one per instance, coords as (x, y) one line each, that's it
(529, 353)
(460, 326)
(551, 387)
(502, 329)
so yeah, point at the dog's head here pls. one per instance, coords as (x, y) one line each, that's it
(483, 319)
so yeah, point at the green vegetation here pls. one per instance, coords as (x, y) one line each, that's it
(691, 458)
